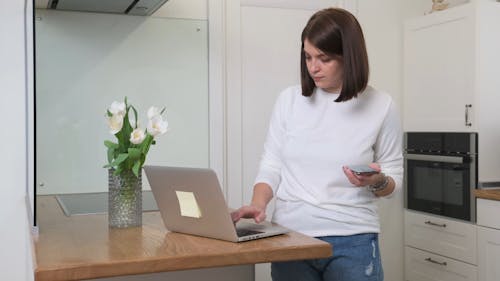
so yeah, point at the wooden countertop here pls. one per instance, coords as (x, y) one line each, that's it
(491, 194)
(83, 247)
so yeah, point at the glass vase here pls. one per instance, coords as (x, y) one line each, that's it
(124, 199)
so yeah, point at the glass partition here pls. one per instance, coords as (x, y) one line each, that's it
(85, 61)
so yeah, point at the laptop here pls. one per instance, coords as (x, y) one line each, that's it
(190, 201)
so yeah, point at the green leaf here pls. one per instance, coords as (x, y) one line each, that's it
(134, 153)
(121, 157)
(111, 154)
(118, 171)
(136, 168)
(124, 134)
(146, 143)
(110, 144)
(135, 115)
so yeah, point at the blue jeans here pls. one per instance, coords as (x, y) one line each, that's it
(355, 258)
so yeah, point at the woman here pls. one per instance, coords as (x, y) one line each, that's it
(317, 130)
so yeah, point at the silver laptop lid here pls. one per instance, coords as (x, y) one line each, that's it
(176, 189)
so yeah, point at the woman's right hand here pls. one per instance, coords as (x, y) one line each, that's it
(249, 212)
(262, 194)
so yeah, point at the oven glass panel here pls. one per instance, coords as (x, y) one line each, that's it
(439, 185)
(439, 188)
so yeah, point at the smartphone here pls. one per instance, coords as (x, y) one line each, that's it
(362, 169)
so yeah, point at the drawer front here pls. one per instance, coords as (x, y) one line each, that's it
(488, 263)
(488, 213)
(425, 266)
(441, 236)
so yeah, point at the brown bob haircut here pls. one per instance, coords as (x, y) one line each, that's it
(337, 33)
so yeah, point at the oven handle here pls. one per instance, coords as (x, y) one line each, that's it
(436, 158)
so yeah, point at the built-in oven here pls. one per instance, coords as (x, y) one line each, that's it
(441, 173)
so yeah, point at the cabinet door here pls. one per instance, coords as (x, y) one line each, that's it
(488, 239)
(488, 84)
(487, 213)
(441, 236)
(424, 266)
(488, 254)
(439, 69)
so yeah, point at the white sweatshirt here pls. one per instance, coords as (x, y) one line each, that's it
(308, 142)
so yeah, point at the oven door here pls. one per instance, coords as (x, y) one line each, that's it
(440, 185)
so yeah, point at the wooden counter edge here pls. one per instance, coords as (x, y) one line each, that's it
(114, 269)
(490, 194)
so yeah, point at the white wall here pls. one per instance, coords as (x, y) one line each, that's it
(15, 256)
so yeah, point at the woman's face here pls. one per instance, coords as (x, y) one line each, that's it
(326, 71)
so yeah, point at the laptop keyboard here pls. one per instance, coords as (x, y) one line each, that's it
(246, 232)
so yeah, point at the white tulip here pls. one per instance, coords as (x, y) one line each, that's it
(153, 112)
(157, 126)
(115, 123)
(137, 136)
(117, 108)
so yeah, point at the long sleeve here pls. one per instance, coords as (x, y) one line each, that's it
(388, 148)
(271, 161)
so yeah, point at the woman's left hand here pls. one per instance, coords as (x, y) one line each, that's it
(363, 179)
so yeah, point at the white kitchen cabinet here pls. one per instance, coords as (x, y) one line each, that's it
(488, 239)
(489, 254)
(439, 70)
(425, 266)
(450, 75)
(445, 237)
(488, 213)
(437, 248)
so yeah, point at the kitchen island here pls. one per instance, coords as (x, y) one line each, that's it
(84, 247)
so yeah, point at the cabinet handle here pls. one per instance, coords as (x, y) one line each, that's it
(467, 122)
(435, 224)
(436, 262)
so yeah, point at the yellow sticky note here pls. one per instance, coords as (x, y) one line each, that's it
(188, 204)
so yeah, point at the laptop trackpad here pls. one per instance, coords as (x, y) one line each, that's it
(241, 232)
(247, 227)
